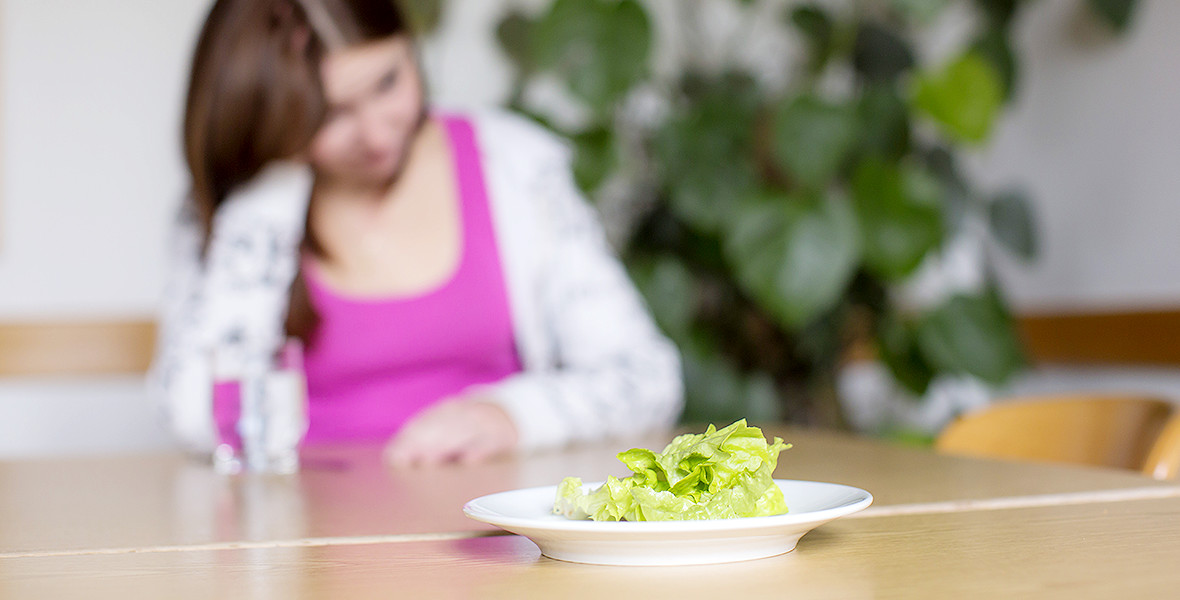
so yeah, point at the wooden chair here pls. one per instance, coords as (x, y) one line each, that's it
(1099, 430)
(76, 348)
(1163, 462)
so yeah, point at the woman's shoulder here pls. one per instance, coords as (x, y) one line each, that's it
(278, 194)
(503, 133)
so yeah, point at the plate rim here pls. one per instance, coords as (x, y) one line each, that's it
(484, 515)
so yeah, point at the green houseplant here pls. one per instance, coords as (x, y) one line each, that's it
(771, 221)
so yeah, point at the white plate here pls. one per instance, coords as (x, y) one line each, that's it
(529, 512)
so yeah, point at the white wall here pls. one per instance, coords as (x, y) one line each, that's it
(54, 416)
(91, 152)
(1095, 137)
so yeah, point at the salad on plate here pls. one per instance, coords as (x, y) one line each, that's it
(719, 474)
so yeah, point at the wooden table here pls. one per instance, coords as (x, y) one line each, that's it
(164, 526)
(1106, 550)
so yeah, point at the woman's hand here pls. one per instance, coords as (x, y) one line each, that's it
(464, 430)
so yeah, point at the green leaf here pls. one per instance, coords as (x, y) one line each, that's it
(997, 50)
(424, 15)
(1116, 13)
(813, 21)
(706, 150)
(1013, 224)
(957, 201)
(594, 157)
(600, 49)
(880, 55)
(628, 41)
(999, 12)
(942, 164)
(514, 33)
(922, 11)
(897, 344)
(795, 255)
(670, 291)
(821, 343)
(705, 198)
(884, 123)
(813, 138)
(900, 217)
(713, 387)
(540, 119)
(973, 335)
(715, 390)
(963, 98)
(817, 27)
(908, 436)
(561, 41)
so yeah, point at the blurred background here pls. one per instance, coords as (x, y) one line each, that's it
(869, 214)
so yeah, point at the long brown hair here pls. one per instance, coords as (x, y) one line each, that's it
(255, 95)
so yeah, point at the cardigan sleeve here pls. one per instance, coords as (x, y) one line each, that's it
(181, 372)
(614, 372)
(229, 304)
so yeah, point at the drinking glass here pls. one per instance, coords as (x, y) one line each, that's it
(260, 412)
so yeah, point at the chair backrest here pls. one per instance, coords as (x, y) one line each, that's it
(1099, 430)
(76, 348)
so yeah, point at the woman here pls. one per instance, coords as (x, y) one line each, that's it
(453, 291)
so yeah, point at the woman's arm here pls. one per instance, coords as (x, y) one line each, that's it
(615, 372)
(231, 302)
(181, 372)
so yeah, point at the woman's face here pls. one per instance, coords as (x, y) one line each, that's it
(375, 107)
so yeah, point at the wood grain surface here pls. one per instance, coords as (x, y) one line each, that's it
(1119, 550)
(169, 501)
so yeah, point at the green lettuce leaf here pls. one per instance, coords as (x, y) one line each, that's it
(719, 474)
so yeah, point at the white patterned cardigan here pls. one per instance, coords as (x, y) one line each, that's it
(595, 365)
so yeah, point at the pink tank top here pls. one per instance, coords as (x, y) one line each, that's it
(372, 364)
